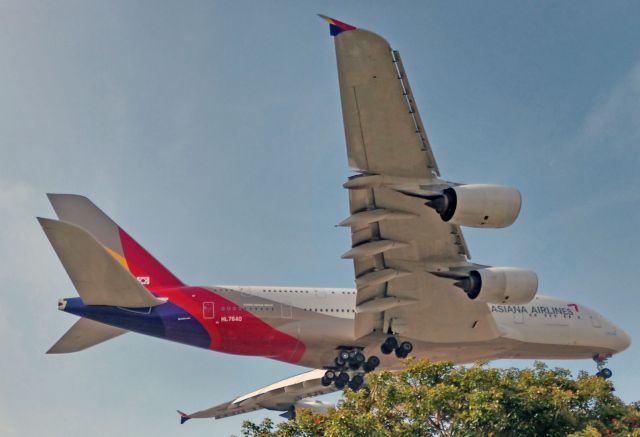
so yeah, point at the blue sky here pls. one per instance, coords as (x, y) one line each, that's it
(212, 132)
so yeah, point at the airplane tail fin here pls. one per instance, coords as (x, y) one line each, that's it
(183, 417)
(99, 277)
(84, 334)
(80, 211)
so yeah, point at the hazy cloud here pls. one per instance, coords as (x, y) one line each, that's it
(618, 113)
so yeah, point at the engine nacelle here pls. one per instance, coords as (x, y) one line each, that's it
(478, 205)
(500, 285)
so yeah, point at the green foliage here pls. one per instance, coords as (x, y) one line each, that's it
(440, 399)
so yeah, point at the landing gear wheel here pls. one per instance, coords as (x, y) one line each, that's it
(340, 362)
(601, 361)
(392, 342)
(341, 380)
(605, 373)
(330, 375)
(344, 355)
(389, 345)
(371, 364)
(404, 349)
(355, 360)
(356, 382)
(400, 353)
(326, 381)
(343, 377)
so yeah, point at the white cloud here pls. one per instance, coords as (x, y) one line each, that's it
(618, 113)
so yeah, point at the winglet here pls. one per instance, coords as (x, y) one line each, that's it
(183, 417)
(335, 26)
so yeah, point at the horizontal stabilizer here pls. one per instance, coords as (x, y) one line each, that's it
(99, 278)
(84, 334)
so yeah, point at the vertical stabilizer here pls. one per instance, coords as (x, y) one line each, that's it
(82, 212)
(98, 276)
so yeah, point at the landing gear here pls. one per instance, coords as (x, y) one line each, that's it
(402, 350)
(601, 361)
(356, 382)
(371, 364)
(350, 365)
(605, 373)
(389, 345)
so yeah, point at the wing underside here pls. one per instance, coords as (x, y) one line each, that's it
(398, 243)
(279, 396)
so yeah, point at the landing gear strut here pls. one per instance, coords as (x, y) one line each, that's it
(601, 361)
(402, 350)
(349, 361)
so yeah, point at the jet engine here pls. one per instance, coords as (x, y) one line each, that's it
(500, 285)
(478, 205)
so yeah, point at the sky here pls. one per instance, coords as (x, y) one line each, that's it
(211, 131)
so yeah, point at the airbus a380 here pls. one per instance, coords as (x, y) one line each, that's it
(417, 292)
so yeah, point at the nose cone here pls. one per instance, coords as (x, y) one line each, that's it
(621, 341)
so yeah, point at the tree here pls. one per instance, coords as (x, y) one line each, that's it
(440, 399)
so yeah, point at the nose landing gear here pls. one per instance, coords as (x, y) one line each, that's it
(601, 361)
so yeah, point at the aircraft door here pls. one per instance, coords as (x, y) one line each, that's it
(286, 310)
(208, 310)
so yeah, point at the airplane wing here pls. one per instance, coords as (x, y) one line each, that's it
(280, 396)
(398, 243)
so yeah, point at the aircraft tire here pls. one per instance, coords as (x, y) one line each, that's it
(356, 382)
(325, 381)
(373, 362)
(605, 373)
(392, 342)
(343, 377)
(406, 347)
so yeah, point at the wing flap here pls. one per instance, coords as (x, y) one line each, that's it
(385, 137)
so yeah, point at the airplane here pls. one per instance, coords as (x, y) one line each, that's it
(416, 290)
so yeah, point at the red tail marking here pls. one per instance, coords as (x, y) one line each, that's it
(142, 264)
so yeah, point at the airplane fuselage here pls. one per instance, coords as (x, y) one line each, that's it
(306, 325)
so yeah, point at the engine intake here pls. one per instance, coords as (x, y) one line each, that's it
(500, 285)
(478, 205)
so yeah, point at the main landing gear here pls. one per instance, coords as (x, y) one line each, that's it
(350, 366)
(391, 344)
(601, 361)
